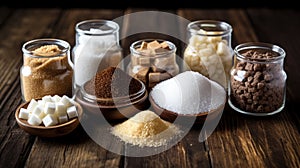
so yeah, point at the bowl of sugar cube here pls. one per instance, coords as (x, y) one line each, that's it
(50, 116)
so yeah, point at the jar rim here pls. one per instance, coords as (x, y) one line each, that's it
(260, 45)
(121, 101)
(98, 23)
(136, 44)
(224, 27)
(36, 43)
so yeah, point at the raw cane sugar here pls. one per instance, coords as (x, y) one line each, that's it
(146, 129)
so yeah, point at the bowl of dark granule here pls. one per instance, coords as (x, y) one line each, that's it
(114, 94)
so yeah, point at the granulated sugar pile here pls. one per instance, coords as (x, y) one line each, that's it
(189, 93)
(146, 129)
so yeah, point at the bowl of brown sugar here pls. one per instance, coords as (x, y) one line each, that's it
(114, 94)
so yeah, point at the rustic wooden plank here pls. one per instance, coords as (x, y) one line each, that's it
(243, 141)
(77, 149)
(12, 138)
(189, 152)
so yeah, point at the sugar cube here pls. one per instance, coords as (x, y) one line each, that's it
(24, 113)
(49, 120)
(34, 120)
(65, 100)
(56, 98)
(60, 109)
(72, 112)
(50, 108)
(47, 98)
(38, 111)
(32, 105)
(63, 119)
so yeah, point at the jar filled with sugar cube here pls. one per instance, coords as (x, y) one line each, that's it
(97, 47)
(258, 80)
(152, 61)
(209, 50)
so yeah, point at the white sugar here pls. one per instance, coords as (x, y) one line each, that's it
(189, 93)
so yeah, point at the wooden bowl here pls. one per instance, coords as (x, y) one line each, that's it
(51, 131)
(171, 116)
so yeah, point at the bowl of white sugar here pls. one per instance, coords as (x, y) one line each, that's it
(188, 94)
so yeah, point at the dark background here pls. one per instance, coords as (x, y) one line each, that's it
(162, 4)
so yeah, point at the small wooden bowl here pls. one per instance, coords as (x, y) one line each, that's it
(171, 116)
(51, 131)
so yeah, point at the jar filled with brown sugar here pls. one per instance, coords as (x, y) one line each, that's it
(258, 80)
(46, 69)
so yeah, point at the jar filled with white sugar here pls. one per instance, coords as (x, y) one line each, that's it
(97, 47)
(209, 50)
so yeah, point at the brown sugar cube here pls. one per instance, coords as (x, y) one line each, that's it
(142, 74)
(156, 69)
(165, 45)
(144, 45)
(153, 45)
(160, 50)
(154, 77)
(144, 61)
(164, 76)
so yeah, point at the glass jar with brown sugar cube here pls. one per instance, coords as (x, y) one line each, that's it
(152, 61)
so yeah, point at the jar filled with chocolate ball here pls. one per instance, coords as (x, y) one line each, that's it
(258, 80)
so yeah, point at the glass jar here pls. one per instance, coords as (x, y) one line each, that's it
(152, 61)
(258, 80)
(97, 47)
(46, 69)
(209, 50)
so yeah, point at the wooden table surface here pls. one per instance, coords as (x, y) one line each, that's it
(237, 141)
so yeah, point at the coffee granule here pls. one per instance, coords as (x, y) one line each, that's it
(112, 82)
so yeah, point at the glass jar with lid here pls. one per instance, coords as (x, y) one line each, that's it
(258, 80)
(209, 50)
(46, 69)
(97, 47)
(152, 61)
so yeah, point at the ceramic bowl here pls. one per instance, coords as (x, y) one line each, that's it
(51, 131)
(171, 116)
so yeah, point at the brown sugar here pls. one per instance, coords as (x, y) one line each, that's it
(146, 129)
(112, 82)
(46, 72)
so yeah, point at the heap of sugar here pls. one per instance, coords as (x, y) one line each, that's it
(189, 93)
(146, 129)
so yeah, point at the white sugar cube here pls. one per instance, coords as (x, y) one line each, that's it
(34, 120)
(38, 111)
(72, 112)
(24, 113)
(49, 120)
(56, 98)
(32, 104)
(65, 100)
(61, 109)
(41, 103)
(47, 98)
(63, 119)
(50, 108)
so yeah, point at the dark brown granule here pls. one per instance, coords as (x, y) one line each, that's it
(112, 82)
